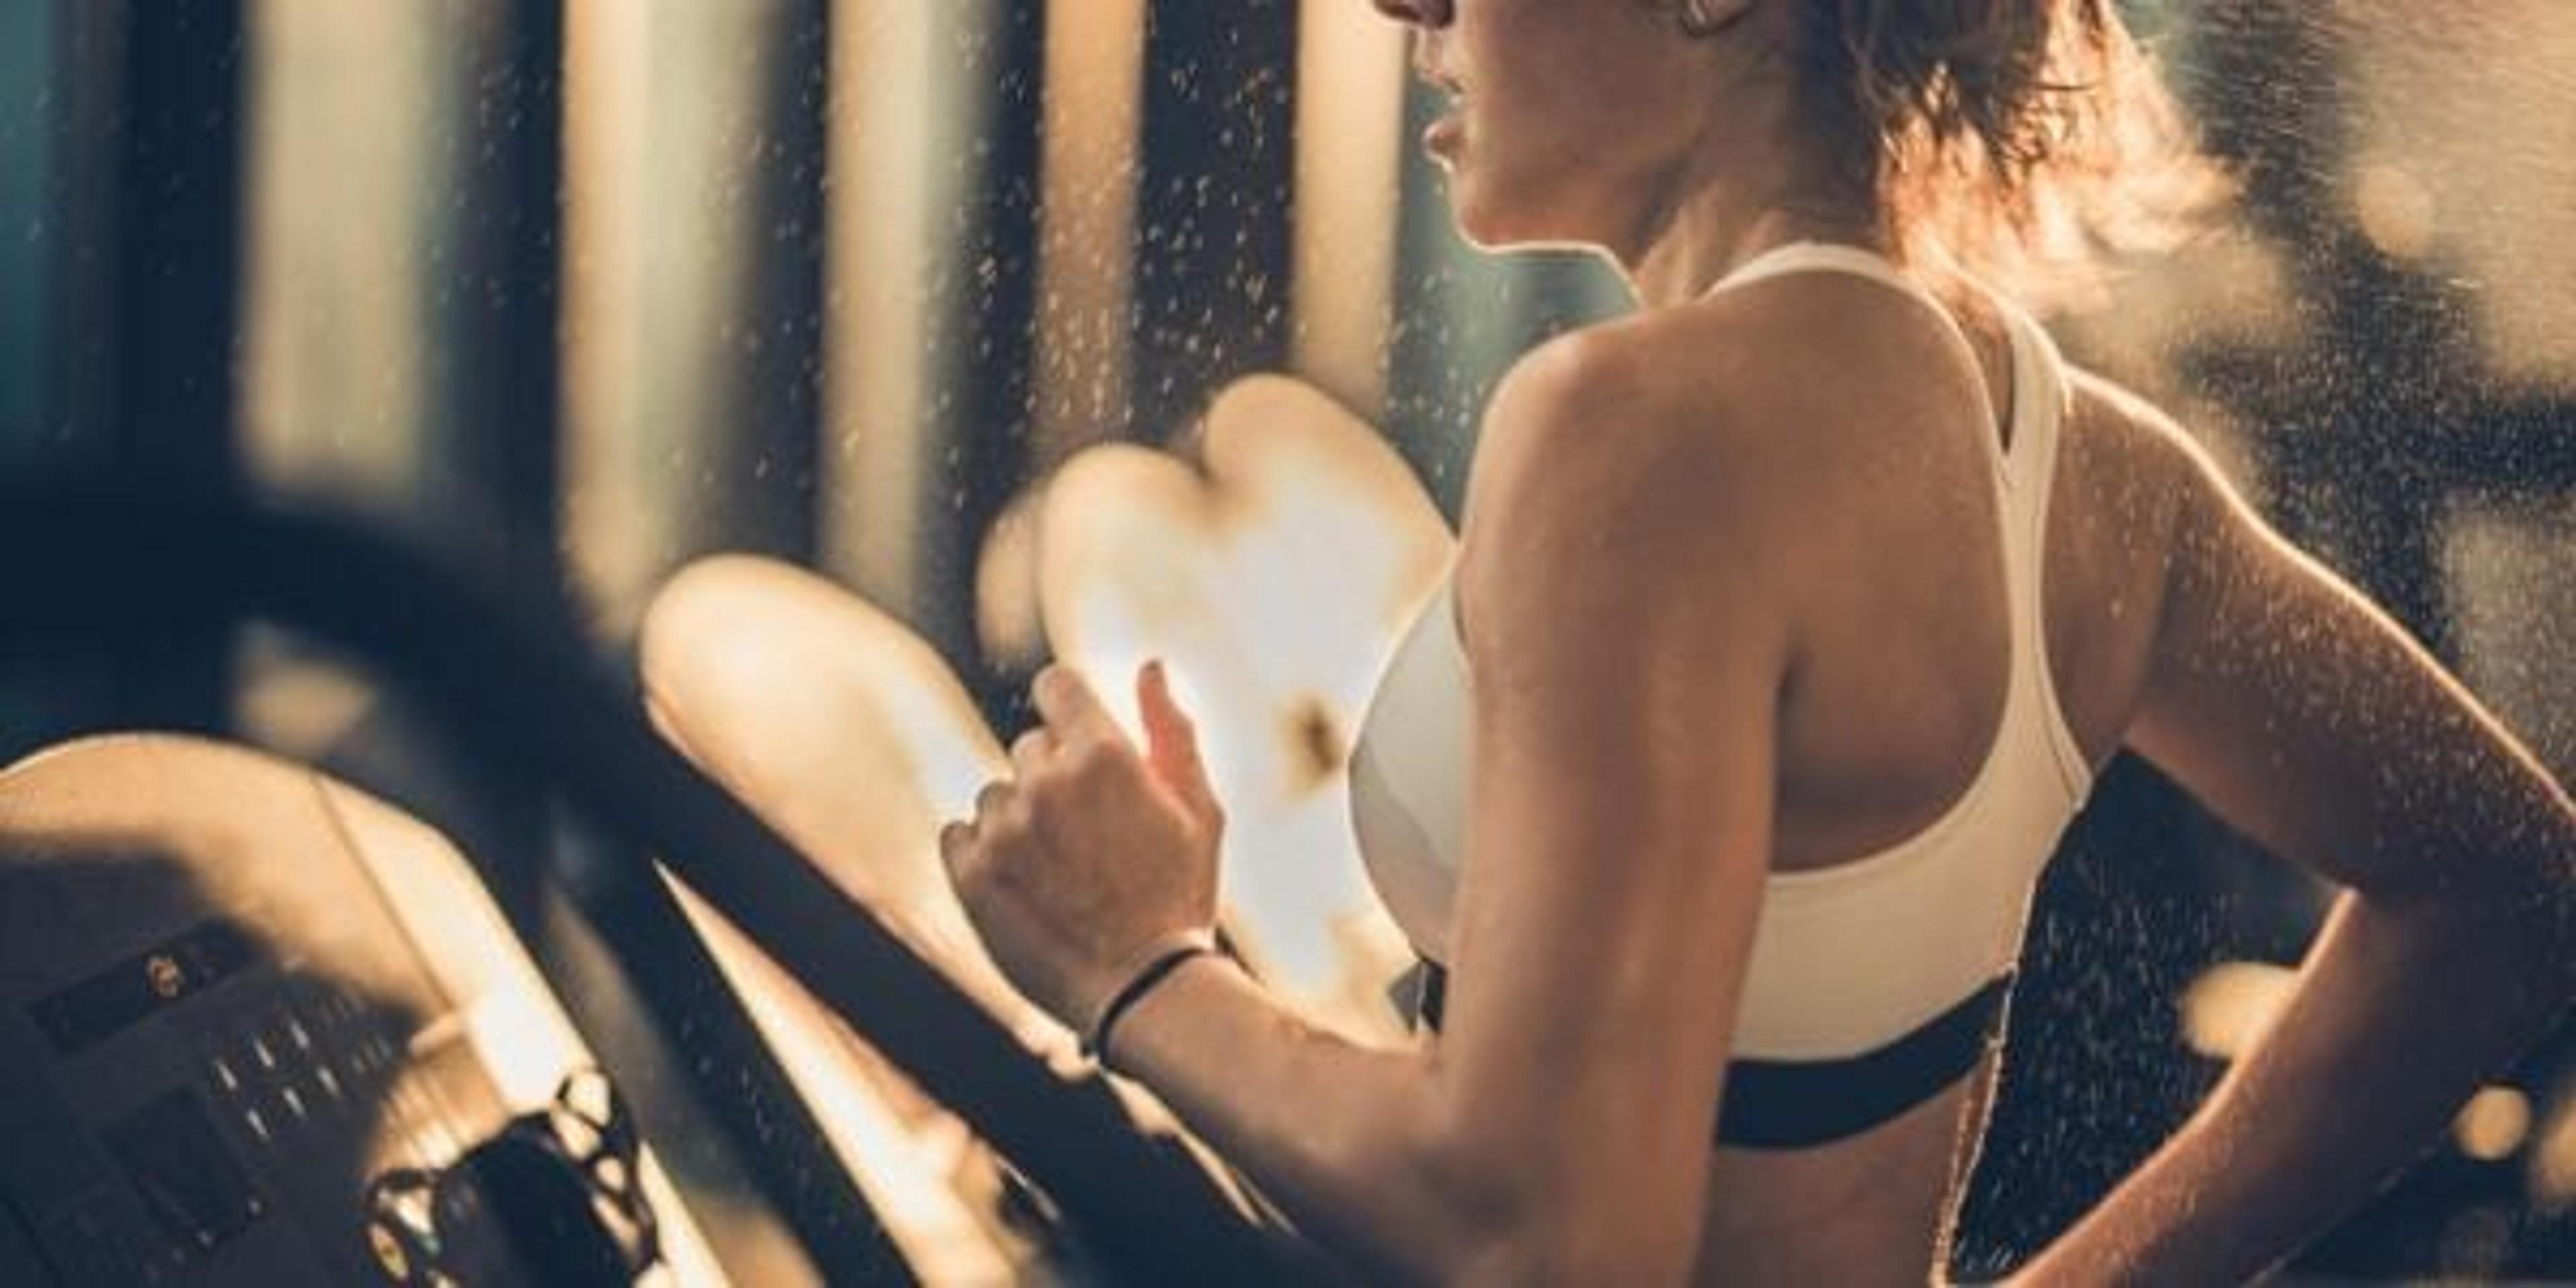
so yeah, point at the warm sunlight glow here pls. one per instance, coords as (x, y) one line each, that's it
(1274, 569)
(609, 509)
(335, 380)
(845, 732)
(902, 127)
(2394, 208)
(2230, 1005)
(2477, 110)
(2493, 1124)
(908, 1155)
(2553, 1155)
(1350, 146)
(1095, 67)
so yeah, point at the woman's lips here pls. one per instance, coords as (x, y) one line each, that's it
(1444, 135)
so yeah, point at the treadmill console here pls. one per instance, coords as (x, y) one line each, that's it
(220, 1035)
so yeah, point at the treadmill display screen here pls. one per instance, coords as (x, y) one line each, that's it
(167, 973)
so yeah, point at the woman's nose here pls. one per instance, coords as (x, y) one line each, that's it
(1426, 13)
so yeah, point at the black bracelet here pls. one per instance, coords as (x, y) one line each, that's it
(1095, 1044)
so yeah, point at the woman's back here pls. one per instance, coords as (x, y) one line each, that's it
(1904, 651)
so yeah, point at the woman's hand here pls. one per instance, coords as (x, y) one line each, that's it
(1094, 854)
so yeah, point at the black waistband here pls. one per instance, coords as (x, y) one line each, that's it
(1794, 1104)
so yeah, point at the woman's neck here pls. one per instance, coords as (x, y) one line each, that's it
(1748, 184)
(1686, 263)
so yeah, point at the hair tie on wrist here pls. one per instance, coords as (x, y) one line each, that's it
(1159, 967)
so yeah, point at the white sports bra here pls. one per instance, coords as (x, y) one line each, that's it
(1849, 960)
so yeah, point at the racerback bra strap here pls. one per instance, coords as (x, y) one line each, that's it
(1811, 256)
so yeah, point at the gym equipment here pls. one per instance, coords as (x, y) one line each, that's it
(501, 665)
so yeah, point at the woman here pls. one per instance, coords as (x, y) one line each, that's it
(1792, 615)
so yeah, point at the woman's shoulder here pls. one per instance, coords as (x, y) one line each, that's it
(1639, 449)
(1622, 407)
(1602, 479)
(1758, 392)
(1797, 373)
(1767, 396)
(2128, 472)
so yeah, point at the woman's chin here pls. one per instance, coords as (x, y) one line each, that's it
(1487, 224)
(1500, 209)
(1473, 230)
(1479, 218)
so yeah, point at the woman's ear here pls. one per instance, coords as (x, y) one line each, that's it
(1704, 18)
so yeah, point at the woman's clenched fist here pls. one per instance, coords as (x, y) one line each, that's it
(1094, 854)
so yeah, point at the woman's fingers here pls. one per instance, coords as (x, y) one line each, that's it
(956, 847)
(1030, 750)
(1165, 722)
(1079, 854)
(1171, 739)
(1071, 709)
(1002, 807)
(990, 802)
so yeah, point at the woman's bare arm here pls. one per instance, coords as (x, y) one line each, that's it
(2304, 717)
(1557, 1130)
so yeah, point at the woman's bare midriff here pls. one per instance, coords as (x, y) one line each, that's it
(1862, 1211)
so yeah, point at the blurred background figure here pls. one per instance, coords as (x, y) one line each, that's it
(589, 289)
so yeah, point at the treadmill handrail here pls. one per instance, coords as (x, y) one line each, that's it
(507, 665)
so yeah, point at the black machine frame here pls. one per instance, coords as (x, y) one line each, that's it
(513, 679)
